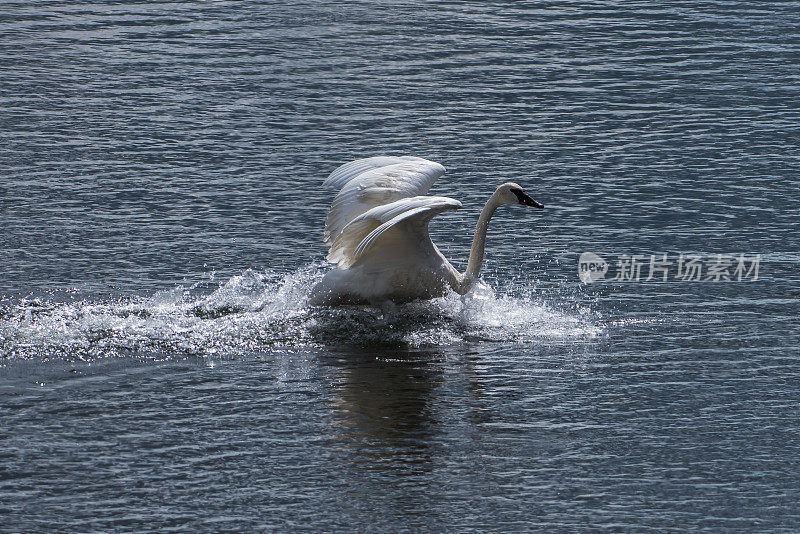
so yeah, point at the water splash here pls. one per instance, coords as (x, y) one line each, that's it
(257, 312)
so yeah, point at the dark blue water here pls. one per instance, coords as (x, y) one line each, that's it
(161, 219)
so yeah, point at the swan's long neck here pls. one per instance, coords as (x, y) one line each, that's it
(478, 245)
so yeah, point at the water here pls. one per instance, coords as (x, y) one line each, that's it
(161, 223)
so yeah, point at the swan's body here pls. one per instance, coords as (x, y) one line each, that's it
(377, 231)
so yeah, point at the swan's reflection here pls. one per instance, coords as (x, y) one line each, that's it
(392, 406)
(383, 406)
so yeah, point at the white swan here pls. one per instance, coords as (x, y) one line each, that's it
(377, 231)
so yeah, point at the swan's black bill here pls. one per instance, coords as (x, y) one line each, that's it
(525, 200)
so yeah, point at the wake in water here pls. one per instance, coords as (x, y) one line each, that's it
(258, 312)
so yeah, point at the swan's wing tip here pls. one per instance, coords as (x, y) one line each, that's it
(352, 169)
(452, 203)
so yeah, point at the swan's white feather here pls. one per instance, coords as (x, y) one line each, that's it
(415, 212)
(364, 233)
(376, 186)
(343, 247)
(406, 220)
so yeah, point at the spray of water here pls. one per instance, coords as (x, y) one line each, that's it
(263, 311)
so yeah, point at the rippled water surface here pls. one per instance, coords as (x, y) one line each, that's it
(160, 228)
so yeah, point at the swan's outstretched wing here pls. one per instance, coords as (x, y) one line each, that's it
(371, 182)
(405, 220)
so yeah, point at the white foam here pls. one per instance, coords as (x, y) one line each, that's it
(256, 312)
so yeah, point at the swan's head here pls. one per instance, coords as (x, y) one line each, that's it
(511, 193)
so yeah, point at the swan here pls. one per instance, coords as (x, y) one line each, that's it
(377, 233)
